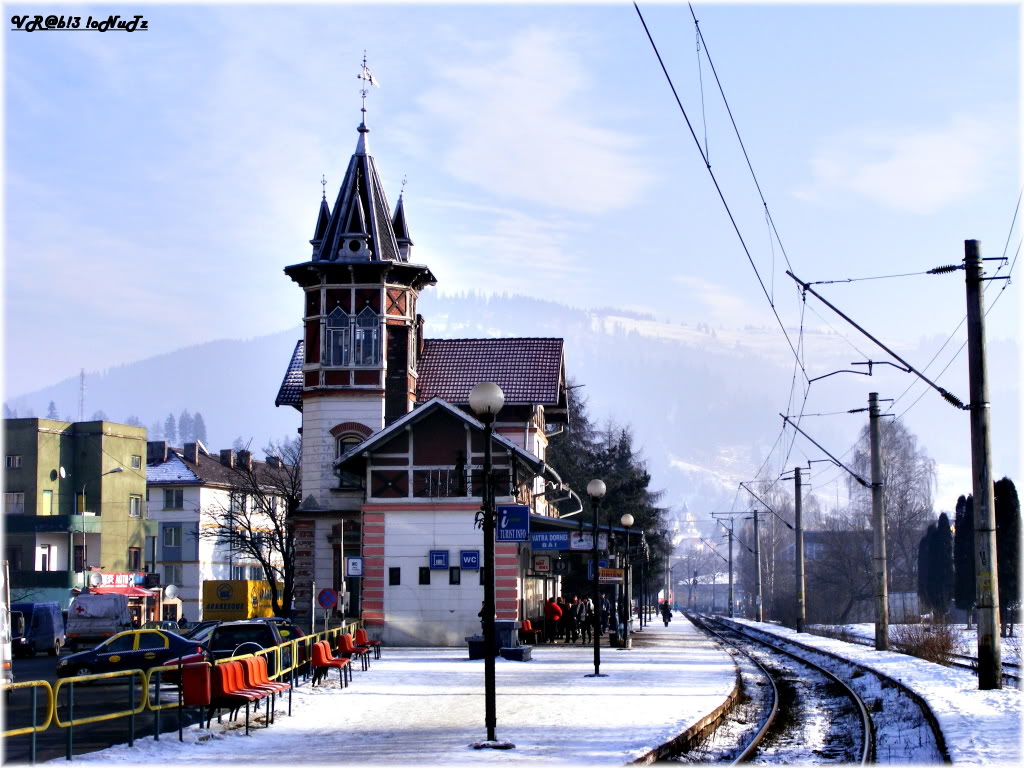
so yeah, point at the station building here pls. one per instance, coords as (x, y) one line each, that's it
(391, 453)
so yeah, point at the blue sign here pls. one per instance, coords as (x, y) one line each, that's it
(549, 540)
(327, 598)
(513, 522)
(590, 567)
(353, 567)
(470, 559)
(439, 559)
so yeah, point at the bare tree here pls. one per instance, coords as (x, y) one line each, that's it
(839, 574)
(258, 520)
(909, 477)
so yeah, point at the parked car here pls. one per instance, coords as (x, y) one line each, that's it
(42, 629)
(201, 630)
(236, 638)
(171, 626)
(135, 649)
(285, 626)
(94, 618)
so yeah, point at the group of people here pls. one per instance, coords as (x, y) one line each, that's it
(573, 619)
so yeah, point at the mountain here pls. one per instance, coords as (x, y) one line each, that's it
(703, 402)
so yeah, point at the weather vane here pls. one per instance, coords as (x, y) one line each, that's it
(368, 79)
(323, 183)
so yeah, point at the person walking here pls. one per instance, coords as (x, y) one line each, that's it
(666, 612)
(586, 620)
(606, 611)
(569, 619)
(560, 626)
(552, 614)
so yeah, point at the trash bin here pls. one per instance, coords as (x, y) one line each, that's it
(476, 647)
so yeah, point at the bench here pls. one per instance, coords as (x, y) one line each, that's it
(363, 639)
(348, 649)
(527, 634)
(324, 661)
(230, 692)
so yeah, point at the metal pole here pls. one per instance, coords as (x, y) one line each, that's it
(490, 716)
(758, 609)
(598, 618)
(801, 606)
(878, 523)
(990, 662)
(628, 613)
(312, 608)
(730, 605)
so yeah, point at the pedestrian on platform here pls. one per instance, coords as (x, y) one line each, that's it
(666, 612)
(586, 620)
(552, 614)
(560, 626)
(569, 619)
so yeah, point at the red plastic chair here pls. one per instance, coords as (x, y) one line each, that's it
(363, 639)
(349, 649)
(323, 662)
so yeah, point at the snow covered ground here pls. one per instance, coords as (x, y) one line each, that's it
(980, 727)
(968, 644)
(426, 705)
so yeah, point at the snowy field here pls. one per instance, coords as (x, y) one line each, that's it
(980, 727)
(967, 645)
(426, 705)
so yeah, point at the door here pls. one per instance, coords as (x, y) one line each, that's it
(116, 654)
(152, 649)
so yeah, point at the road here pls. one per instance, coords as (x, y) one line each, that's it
(91, 699)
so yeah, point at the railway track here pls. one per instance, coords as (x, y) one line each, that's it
(795, 712)
(899, 727)
(1011, 671)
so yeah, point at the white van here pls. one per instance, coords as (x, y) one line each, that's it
(94, 618)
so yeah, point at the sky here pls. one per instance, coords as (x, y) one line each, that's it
(156, 183)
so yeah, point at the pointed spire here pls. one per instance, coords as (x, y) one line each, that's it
(401, 228)
(322, 220)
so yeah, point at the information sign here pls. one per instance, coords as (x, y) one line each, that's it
(470, 559)
(513, 522)
(439, 559)
(610, 575)
(354, 567)
(542, 563)
(540, 540)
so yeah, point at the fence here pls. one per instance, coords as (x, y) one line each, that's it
(296, 652)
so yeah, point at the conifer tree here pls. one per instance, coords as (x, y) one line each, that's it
(186, 430)
(51, 411)
(965, 579)
(1008, 552)
(170, 429)
(199, 427)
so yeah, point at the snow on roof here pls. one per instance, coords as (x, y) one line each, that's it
(174, 470)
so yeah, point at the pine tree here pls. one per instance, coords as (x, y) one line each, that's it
(186, 432)
(170, 429)
(133, 421)
(156, 431)
(942, 580)
(924, 566)
(51, 411)
(199, 427)
(9, 413)
(965, 578)
(99, 416)
(1008, 552)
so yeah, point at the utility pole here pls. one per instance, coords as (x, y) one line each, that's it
(758, 608)
(878, 523)
(731, 610)
(801, 607)
(990, 663)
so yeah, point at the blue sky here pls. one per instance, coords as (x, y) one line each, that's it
(544, 154)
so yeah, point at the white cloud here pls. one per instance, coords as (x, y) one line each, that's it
(516, 126)
(721, 306)
(917, 170)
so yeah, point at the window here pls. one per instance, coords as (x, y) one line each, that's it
(366, 339)
(172, 536)
(348, 479)
(136, 462)
(14, 462)
(238, 573)
(394, 577)
(256, 573)
(80, 555)
(43, 557)
(14, 503)
(455, 575)
(47, 506)
(134, 506)
(174, 498)
(172, 575)
(134, 559)
(338, 338)
(121, 644)
(424, 575)
(149, 640)
(238, 503)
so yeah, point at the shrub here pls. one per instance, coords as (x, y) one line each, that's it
(936, 643)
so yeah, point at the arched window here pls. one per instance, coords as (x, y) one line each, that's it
(366, 339)
(338, 340)
(348, 479)
(345, 442)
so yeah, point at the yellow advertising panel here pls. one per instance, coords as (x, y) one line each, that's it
(237, 599)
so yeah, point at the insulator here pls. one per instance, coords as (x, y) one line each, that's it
(953, 400)
(945, 268)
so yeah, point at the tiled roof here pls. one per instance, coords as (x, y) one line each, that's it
(527, 370)
(208, 471)
(174, 470)
(290, 392)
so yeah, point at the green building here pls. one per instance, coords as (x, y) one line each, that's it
(74, 500)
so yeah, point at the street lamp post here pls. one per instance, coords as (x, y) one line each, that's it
(627, 522)
(596, 490)
(486, 400)
(71, 527)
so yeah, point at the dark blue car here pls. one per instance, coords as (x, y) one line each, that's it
(137, 649)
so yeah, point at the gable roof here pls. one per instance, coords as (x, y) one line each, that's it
(529, 371)
(422, 411)
(207, 471)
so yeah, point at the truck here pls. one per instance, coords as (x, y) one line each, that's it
(36, 627)
(94, 618)
(238, 599)
(6, 669)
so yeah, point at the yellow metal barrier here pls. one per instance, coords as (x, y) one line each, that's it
(98, 718)
(149, 677)
(50, 707)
